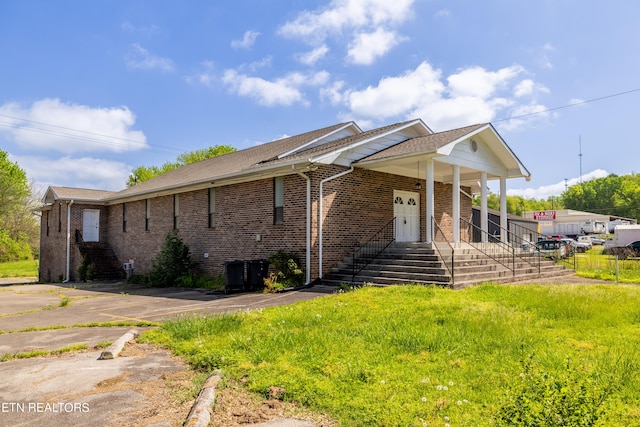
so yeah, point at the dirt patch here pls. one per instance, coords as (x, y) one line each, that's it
(235, 406)
(169, 398)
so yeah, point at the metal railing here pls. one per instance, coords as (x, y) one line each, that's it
(445, 249)
(504, 253)
(367, 252)
(525, 250)
(500, 252)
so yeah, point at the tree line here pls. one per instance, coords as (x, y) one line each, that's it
(19, 225)
(612, 195)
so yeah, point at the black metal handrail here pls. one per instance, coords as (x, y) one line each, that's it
(367, 252)
(445, 252)
(496, 250)
(515, 245)
(523, 249)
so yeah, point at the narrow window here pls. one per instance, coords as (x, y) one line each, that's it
(47, 214)
(176, 210)
(212, 207)
(124, 217)
(147, 215)
(60, 218)
(278, 200)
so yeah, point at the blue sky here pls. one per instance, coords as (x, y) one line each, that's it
(90, 90)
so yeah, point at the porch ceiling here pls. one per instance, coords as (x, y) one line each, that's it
(415, 167)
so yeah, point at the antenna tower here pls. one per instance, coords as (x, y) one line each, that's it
(580, 155)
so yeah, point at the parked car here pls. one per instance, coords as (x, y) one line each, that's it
(586, 240)
(552, 248)
(634, 248)
(595, 240)
(558, 237)
(578, 246)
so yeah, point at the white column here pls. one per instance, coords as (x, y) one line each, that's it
(430, 200)
(455, 212)
(504, 224)
(484, 212)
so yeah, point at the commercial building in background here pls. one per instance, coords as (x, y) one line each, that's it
(574, 223)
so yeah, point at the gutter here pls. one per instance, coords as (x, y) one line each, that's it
(320, 217)
(308, 249)
(68, 239)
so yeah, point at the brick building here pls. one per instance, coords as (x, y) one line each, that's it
(319, 195)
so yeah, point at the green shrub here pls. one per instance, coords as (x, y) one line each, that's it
(14, 249)
(173, 262)
(86, 270)
(287, 272)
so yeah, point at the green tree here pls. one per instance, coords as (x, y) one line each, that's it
(517, 205)
(611, 195)
(18, 226)
(145, 173)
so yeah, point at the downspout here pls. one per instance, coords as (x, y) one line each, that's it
(308, 257)
(320, 217)
(68, 239)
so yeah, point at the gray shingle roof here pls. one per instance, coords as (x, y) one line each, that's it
(422, 144)
(237, 162)
(79, 194)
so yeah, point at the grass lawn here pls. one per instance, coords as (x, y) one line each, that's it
(26, 268)
(415, 356)
(594, 265)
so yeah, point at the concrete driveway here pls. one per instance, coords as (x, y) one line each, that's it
(77, 389)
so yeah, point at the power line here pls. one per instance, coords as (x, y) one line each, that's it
(91, 136)
(573, 104)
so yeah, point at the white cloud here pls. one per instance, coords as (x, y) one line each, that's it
(525, 114)
(146, 30)
(50, 124)
(83, 172)
(361, 18)
(397, 95)
(546, 191)
(471, 95)
(247, 41)
(310, 58)
(205, 76)
(282, 91)
(142, 59)
(333, 93)
(443, 13)
(367, 47)
(480, 83)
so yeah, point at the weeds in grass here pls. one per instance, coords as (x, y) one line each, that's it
(41, 353)
(25, 268)
(595, 265)
(412, 354)
(63, 302)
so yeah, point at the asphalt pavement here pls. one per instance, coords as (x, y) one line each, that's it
(76, 388)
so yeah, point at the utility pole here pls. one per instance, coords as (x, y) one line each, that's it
(580, 156)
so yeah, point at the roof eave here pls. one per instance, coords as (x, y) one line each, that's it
(231, 178)
(334, 154)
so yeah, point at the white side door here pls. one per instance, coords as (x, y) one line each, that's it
(91, 225)
(406, 209)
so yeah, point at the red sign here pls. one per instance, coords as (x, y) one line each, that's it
(544, 215)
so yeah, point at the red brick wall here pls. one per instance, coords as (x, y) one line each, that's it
(243, 212)
(53, 248)
(355, 207)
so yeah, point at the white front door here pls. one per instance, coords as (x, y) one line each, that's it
(406, 209)
(91, 225)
